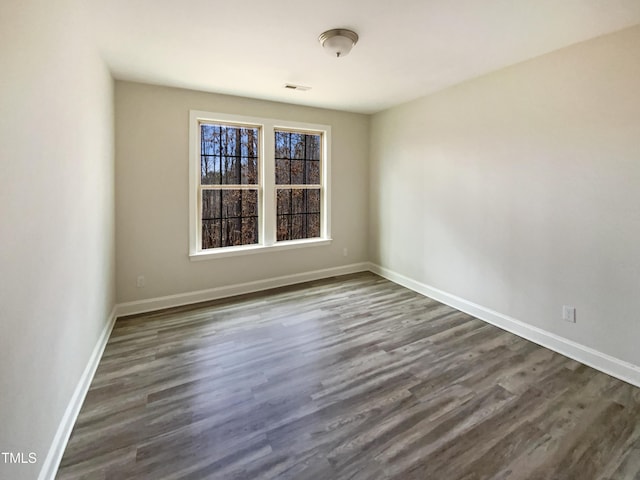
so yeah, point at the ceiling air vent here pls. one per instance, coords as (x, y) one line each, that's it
(301, 88)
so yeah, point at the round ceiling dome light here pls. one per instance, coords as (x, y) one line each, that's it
(338, 42)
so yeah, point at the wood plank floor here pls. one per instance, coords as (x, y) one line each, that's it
(346, 378)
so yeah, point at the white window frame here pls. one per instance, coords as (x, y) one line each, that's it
(266, 185)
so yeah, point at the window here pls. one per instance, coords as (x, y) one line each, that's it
(298, 186)
(228, 188)
(256, 184)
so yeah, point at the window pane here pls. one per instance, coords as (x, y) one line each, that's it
(298, 146)
(282, 145)
(297, 158)
(297, 172)
(228, 155)
(313, 147)
(229, 218)
(283, 171)
(312, 173)
(298, 214)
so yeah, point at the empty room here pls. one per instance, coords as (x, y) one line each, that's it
(300, 240)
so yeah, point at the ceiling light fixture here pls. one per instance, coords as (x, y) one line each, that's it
(338, 42)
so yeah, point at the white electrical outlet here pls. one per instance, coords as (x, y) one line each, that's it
(569, 313)
(140, 281)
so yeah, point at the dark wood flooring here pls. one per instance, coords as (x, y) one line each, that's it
(346, 378)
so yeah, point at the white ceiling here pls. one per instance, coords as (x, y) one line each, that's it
(407, 48)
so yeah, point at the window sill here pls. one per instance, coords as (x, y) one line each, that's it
(251, 249)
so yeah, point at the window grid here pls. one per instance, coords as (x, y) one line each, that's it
(306, 222)
(228, 211)
(228, 228)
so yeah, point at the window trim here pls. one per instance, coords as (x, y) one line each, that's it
(267, 186)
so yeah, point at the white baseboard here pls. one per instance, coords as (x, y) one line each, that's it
(610, 365)
(56, 450)
(158, 303)
(54, 455)
(615, 367)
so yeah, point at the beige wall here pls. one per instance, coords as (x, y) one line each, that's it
(57, 259)
(520, 191)
(152, 193)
